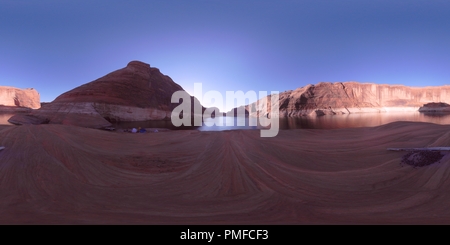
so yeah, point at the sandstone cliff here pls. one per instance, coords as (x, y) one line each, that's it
(15, 97)
(137, 92)
(353, 97)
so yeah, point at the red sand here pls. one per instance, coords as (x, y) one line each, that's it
(57, 174)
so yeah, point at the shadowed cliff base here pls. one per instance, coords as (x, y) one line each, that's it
(59, 174)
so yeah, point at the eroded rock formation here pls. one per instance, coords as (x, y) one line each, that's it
(15, 97)
(137, 92)
(353, 97)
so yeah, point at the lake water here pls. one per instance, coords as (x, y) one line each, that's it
(323, 122)
(4, 118)
(347, 121)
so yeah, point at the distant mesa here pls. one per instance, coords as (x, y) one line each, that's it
(14, 99)
(328, 98)
(137, 92)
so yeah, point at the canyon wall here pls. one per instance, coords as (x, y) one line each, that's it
(15, 97)
(352, 97)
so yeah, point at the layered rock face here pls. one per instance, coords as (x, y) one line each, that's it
(15, 97)
(352, 97)
(137, 92)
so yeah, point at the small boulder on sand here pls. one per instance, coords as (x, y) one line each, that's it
(422, 158)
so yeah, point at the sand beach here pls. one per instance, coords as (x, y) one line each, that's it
(60, 174)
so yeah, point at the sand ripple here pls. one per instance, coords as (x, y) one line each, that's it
(56, 174)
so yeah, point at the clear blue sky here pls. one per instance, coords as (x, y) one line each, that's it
(56, 45)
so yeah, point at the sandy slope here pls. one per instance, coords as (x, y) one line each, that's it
(56, 174)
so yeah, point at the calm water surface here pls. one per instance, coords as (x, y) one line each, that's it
(323, 122)
(4, 118)
(349, 121)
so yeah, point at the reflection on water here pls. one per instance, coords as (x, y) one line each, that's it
(323, 122)
(4, 118)
(361, 120)
(345, 121)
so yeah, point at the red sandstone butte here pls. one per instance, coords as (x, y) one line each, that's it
(137, 92)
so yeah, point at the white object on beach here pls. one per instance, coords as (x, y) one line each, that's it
(134, 130)
(2, 147)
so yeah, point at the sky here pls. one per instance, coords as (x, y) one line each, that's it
(226, 45)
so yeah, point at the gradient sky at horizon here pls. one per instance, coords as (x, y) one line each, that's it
(227, 45)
